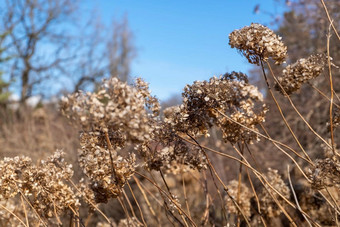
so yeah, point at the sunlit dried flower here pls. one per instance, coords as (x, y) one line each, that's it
(336, 118)
(245, 195)
(213, 102)
(113, 116)
(326, 173)
(129, 222)
(106, 224)
(305, 69)
(257, 42)
(269, 206)
(317, 207)
(116, 107)
(44, 185)
(7, 207)
(171, 150)
(107, 170)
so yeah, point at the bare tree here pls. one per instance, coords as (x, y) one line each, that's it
(37, 40)
(121, 50)
(48, 46)
(104, 54)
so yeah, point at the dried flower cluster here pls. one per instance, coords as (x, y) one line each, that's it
(119, 118)
(269, 206)
(257, 42)
(107, 170)
(44, 185)
(305, 69)
(116, 108)
(245, 196)
(222, 102)
(7, 207)
(129, 222)
(311, 201)
(326, 173)
(166, 151)
(115, 115)
(336, 118)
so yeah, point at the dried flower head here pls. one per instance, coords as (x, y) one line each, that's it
(317, 207)
(305, 69)
(165, 151)
(106, 224)
(326, 173)
(245, 197)
(44, 185)
(222, 102)
(117, 108)
(107, 171)
(9, 207)
(269, 206)
(113, 116)
(257, 42)
(130, 222)
(336, 118)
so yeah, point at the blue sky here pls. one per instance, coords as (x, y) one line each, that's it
(179, 42)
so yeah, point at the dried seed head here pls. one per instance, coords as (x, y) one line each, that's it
(107, 172)
(270, 207)
(257, 42)
(305, 69)
(336, 119)
(171, 150)
(129, 222)
(45, 185)
(326, 173)
(245, 195)
(216, 102)
(116, 108)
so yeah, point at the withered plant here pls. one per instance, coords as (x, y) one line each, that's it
(161, 167)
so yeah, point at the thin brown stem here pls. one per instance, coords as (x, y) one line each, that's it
(265, 183)
(136, 201)
(129, 203)
(297, 111)
(113, 167)
(280, 110)
(211, 167)
(25, 211)
(256, 198)
(295, 197)
(332, 92)
(146, 198)
(185, 195)
(329, 18)
(239, 185)
(122, 204)
(169, 197)
(30, 204)
(14, 215)
(323, 94)
(90, 202)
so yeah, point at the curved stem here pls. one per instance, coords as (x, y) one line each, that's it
(280, 110)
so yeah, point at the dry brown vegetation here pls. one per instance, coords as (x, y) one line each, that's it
(228, 155)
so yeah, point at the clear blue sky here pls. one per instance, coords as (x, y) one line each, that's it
(179, 42)
(182, 41)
